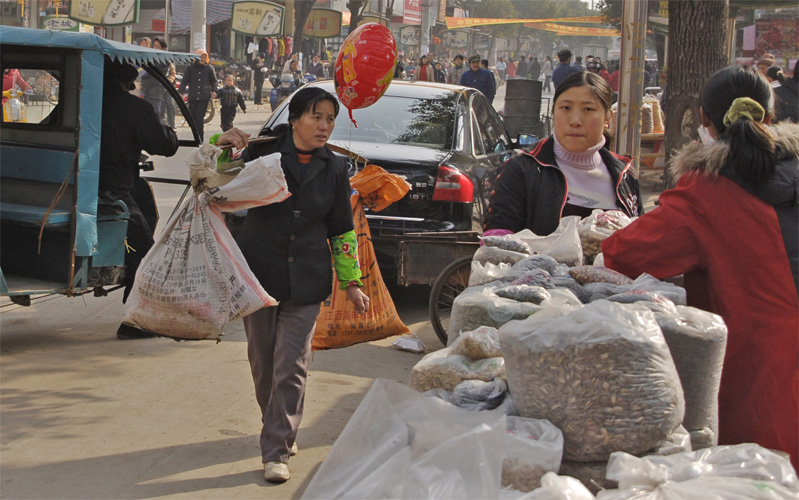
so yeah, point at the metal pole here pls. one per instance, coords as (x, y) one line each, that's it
(631, 89)
(424, 39)
(166, 23)
(198, 38)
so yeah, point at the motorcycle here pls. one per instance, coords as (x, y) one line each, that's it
(285, 86)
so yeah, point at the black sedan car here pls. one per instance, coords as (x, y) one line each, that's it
(447, 141)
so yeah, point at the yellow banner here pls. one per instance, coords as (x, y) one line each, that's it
(564, 30)
(257, 18)
(323, 23)
(465, 22)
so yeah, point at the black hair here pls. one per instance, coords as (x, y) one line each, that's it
(564, 55)
(595, 83)
(775, 73)
(161, 41)
(305, 100)
(752, 151)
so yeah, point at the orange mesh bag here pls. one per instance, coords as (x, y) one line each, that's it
(338, 325)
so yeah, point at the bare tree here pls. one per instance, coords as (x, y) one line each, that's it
(302, 9)
(697, 49)
(356, 7)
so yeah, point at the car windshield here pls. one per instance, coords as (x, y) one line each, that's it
(426, 122)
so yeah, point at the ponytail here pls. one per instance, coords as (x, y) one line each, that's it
(737, 99)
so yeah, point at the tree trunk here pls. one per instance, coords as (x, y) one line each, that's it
(302, 9)
(356, 8)
(697, 49)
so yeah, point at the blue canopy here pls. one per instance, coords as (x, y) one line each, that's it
(126, 52)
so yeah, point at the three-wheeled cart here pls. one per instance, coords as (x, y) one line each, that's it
(442, 260)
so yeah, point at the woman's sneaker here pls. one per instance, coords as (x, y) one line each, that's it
(276, 472)
(294, 450)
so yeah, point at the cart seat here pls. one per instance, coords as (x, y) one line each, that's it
(29, 214)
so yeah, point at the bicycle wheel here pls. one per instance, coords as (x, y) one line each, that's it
(211, 111)
(448, 285)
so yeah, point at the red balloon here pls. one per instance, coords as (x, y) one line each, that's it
(365, 66)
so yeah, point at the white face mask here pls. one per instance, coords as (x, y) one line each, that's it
(704, 135)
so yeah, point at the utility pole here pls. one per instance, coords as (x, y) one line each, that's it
(166, 23)
(631, 88)
(424, 39)
(198, 38)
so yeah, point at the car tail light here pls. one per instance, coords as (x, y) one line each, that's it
(452, 185)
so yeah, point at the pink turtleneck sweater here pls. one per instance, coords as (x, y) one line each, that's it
(590, 184)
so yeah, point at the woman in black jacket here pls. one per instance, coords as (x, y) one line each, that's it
(569, 173)
(288, 247)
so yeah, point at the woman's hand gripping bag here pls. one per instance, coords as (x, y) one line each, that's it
(338, 325)
(194, 280)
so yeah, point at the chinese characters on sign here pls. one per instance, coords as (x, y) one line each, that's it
(257, 18)
(104, 12)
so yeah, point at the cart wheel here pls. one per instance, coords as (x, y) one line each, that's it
(449, 284)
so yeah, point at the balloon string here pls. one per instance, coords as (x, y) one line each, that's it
(352, 119)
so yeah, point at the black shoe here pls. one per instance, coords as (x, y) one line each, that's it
(127, 332)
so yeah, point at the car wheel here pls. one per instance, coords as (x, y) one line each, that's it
(450, 283)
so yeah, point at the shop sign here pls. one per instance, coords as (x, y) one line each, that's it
(412, 13)
(107, 13)
(257, 18)
(59, 23)
(374, 19)
(410, 35)
(457, 39)
(323, 23)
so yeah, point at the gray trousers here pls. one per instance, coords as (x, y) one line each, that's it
(279, 349)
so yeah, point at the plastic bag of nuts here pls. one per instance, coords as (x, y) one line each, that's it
(480, 343)
(532, 448)
(597, 227)
(480, 306)
(507, 242)
(602, 373)
(444, 370)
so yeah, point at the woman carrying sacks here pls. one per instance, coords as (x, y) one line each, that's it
(730, 227)
(569, 173)
(288, 247)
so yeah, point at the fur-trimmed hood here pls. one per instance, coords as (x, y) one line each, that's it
(711, 158)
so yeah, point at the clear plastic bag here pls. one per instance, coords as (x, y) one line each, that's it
(482, 274)
(563, 244)
(744, 471)
(506, 242)
(444, 370)
(555, 487)
(401, 444)
(602, 373)
(524, 293)
(540, 261)
(596, 228)
(477, 395)
(532, 448)
(480, 306)
(480, 343)
(495, 255)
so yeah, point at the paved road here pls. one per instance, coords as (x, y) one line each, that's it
(85, 415)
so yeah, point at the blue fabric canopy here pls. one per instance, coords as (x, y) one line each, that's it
(125, 52)
(216, 11)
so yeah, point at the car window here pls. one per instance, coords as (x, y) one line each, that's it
(426, 122)
(477, 136)
(491, 129)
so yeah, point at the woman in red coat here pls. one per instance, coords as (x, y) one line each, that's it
(730, 226)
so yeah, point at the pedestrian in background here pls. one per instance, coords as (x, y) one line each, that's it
(199, 80)
(564, 69)
(288, 248)
(534, 69)
(729, 228)
(230, 99)
(502, 68)
(546, 68)
(456, 71)
(425, 70)
(169, 105)
(522, 68)
(259, 75)
(511, 68)
(479, 78)
(786, 100)
(439, 74)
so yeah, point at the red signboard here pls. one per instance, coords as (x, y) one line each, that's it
(413, 12)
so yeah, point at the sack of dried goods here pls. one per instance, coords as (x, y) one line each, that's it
(532, 448)
(597, 227)
(563, 244)
(496, 255)
(480, 343)
(479, 395)
(444, 370)
(602, 373)
(507, 242)
(480, 306)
